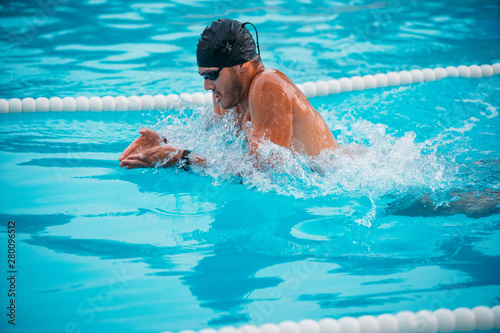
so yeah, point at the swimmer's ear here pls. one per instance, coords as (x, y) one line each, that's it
(243, 67)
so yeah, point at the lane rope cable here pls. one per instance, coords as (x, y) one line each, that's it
(174, 101)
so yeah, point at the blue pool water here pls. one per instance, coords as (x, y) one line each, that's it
(410, 223)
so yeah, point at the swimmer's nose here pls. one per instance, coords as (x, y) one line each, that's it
(209, 85)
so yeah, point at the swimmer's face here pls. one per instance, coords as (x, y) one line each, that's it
(227, 87)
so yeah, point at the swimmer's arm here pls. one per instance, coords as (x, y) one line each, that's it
(196, 159)
(148, 150)
(271, 116)
(162, 156)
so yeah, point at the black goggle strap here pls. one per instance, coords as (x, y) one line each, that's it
(256, 34)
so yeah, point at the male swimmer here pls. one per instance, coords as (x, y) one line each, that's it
(263, 97)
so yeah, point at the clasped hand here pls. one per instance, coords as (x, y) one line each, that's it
(146, 152)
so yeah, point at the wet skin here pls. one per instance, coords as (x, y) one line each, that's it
(268, 105)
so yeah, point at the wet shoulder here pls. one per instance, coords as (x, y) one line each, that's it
(272, 81)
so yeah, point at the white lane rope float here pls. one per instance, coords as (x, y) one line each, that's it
(174, 101)
(425, 321)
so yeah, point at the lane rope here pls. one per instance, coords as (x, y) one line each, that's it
(174, 101)
(441, 320)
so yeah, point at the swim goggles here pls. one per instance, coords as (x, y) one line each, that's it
(212, 75)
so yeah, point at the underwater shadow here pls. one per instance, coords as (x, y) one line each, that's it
(34, 224)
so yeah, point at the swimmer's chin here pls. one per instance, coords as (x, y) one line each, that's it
(221, 104)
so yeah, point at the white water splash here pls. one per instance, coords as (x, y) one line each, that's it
(492, 109)
(376, 163)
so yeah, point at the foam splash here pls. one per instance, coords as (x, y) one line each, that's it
(493, 111)
(373, 163)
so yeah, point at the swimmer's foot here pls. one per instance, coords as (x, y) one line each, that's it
(473, 204)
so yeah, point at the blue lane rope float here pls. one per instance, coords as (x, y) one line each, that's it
(174, 101)
(441, 320)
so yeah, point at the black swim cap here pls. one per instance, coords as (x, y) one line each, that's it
(225, 43)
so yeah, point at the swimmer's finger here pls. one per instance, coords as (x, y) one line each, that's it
(157, 157)
(144, 131)
(131, 158)
(135, 144)
(129, 150)
(146, 154)
(150, 134)
(162, 158)
(129, 163)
